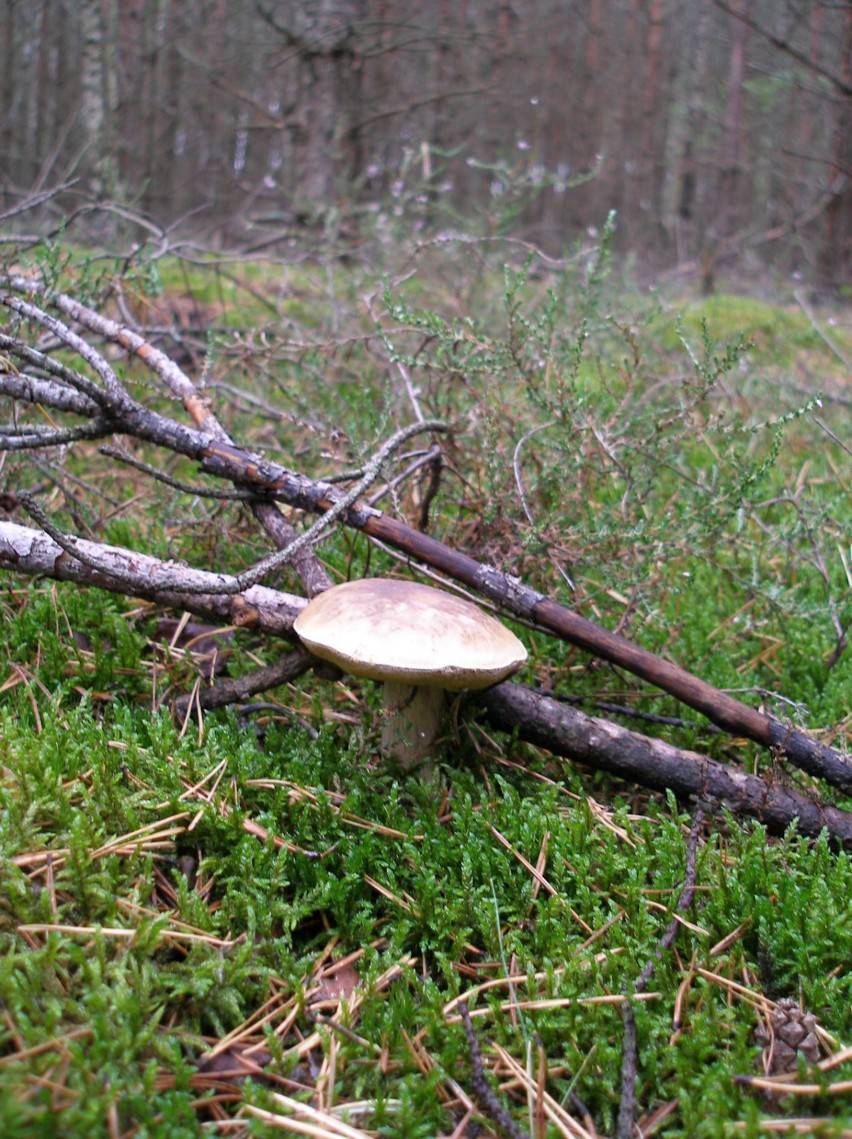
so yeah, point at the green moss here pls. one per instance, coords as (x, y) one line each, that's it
(143, 1009)
(772, 330)
(683, 481)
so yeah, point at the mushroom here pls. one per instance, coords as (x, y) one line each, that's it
(420, 641)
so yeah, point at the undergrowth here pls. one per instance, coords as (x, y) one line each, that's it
(193, 922)
(143, 922)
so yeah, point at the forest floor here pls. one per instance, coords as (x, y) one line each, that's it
(255, 923)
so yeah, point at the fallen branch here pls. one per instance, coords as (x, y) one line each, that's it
(33, 553)
(630, 1049)
(226, 692)
(605, 746)
(208, 444)
(114, 401)
(513, 596)
(537, 718)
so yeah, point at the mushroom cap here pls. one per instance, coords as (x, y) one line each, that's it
(400, 631)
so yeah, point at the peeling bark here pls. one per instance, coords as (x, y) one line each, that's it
(32, 553)
(653, 763)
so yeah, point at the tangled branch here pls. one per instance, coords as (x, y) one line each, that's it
(31, 376)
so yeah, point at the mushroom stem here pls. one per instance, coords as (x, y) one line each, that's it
(413, 719)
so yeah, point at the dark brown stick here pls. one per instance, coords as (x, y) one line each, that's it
(288, 667)
(630, 1051)
(653, 763)
(208, 444)
(483, 1091)
(515, 597)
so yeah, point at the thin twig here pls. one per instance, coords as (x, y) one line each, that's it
(411, 392)
(53, 367)
(372, 470)
(425, 458)
(39, 438)
(832, 435)
(33, 201)
(195, 489)
(113, 388)
(820, 331)
(519, 483)
(483, 1091)
(629, 1056)
(237, 583)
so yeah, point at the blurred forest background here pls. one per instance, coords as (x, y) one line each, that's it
(720, 132)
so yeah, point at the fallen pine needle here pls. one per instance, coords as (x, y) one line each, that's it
(561, 1002)
(127, 934)
(781, 1087)
(307, 1120)
(565, 1123)
(808, 1127)
(53, 1045)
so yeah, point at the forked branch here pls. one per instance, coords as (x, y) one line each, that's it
(597, 744)
(206, 442)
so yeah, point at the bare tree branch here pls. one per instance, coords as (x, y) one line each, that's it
(62, 372)
(837, 81)
(37, 438)
(33, 389)
(282, 534)
(208, 444)
(236, 583)
(25, 550)
(605, 746)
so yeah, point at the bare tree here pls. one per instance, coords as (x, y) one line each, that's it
(730, 119)
(94, 115)
(320, 40)
(835, 254)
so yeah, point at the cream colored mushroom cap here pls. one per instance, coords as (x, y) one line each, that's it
(412, 634)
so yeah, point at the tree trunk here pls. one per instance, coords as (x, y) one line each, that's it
(835, 257)
(324, 37)
(93, 97)
(729, 175)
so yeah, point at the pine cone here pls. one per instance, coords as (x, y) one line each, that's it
(793, 1034)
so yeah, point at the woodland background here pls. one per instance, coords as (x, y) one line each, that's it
(270, 245)
(720, 133)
